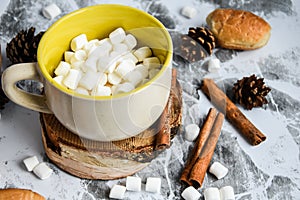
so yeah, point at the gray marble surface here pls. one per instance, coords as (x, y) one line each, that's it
(267, 171)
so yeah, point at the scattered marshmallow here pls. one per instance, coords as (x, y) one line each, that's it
(212, 193)
(117, 36)
(191, 132)
(189, 12)
(117, 192)
(42, 170)
(51, 11)
(218, 170)
(227, 193)
(133, 183)
(31, 163)
(214, 65)
(153, 184)
(190, 193)
(78, 42)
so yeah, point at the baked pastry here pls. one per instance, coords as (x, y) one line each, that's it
(19, 194)
(238, 29)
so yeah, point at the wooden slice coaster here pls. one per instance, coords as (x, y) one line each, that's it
(90, 159)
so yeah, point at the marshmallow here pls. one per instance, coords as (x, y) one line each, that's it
(129, 56)
(117, 192)
(80, 55)
(227, 193)
(68, 55)
(151, 62)
(130, 41)
(42, 170)
(212, 194)
(153, 184)
(102, 79)
(51, 11)
(59, 79)
(101, 91)
(214, 65)
(188, 11)
(134, 77)
(90, 46)
(142, 69)
(62, 69)
(31, 163)
(106, 64)
(102, 49)
(78, 42)
(77, 65)
(191, 132)
(153, 73)
(125, 67)
(89, 80)
(114, 78)
(190, 193)
(82, 90)
(120, 48)
(90, 63)
(133, 183)
(124, 87)
(218, 170)
(72, 79)
(142, 53)
(117, 36)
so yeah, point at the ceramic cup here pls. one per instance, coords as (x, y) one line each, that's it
(97, 118)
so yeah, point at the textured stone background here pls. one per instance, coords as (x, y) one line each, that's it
(268, 171)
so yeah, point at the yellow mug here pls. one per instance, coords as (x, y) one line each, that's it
(98, 118)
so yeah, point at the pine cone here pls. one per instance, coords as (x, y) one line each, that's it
(250, 92)
(23, 47)
(191, 50)
(204, 37)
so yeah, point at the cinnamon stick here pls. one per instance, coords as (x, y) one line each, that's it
(233, 114)
(200, 167)
(163, 138)
(203, 135)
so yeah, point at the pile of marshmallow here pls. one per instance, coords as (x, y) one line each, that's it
(134, 183)
(41, 170)
(108, 66)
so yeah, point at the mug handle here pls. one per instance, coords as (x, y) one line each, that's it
(19, 72)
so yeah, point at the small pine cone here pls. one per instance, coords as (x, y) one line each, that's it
(191, 50)
(204, 37)
(23, 47)
(250, 92)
